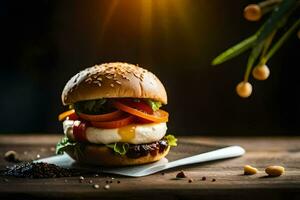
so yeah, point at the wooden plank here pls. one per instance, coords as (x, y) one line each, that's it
(230, 181)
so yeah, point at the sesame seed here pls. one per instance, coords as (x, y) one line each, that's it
(112, 85)
(118, 82)
(96, 186)
(88, 79)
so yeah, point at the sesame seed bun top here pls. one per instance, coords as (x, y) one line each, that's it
(113, 80)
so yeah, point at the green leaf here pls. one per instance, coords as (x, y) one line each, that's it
(252, 58)
(235, 50)
(283, 38)
(172, 141)
(277, 19)
(91, 106)
(120, 148)
(155, 105)
(65, 145)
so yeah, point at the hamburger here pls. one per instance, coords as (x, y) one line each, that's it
(115, 116)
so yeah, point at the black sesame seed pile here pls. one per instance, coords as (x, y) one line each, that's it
(38, 170)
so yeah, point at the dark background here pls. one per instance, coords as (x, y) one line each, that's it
(44, 43)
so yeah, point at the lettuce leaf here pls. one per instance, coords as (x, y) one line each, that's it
(66, 145)
(155, 105)
(120, 148)
(77, 149)
(172, 141)
(63, 145)
(91, 106)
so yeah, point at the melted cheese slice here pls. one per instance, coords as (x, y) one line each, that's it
(133, 133)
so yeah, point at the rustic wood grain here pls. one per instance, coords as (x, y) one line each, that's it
(230, 182)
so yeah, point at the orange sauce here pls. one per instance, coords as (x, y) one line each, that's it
(127, 133)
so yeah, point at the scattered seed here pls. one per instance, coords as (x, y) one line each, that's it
(162, 173)
(181, 175)
(91, 181)
(96, 175)
(107, 182)
(38, 170)
(118, 182)
(203, 178)
(213, 180)
(96, 186)
(112, 85)
(11, 156)
(249, 170)
(106, 187)
(66, 180)
(191, 180)
(111, 181)
(274, 170)
(38, 156)
(81, 178)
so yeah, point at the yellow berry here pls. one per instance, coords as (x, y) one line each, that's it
(252, 12)
(249, 170)
(274, 170)
(261, 72)
(244, 89)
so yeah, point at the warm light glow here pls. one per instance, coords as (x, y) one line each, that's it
(110, 11)
(150, 10)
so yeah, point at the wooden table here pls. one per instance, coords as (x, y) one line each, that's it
(230, 182)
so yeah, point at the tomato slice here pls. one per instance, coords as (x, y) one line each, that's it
(104, 117)
(125, 120)
(140, 105)
(70, 113)
(157, 116)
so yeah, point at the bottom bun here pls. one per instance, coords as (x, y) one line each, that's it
(104, 156)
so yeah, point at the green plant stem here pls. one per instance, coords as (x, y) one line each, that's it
(266, 45)
(251, 60)
(277, 19)
(280, 42)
